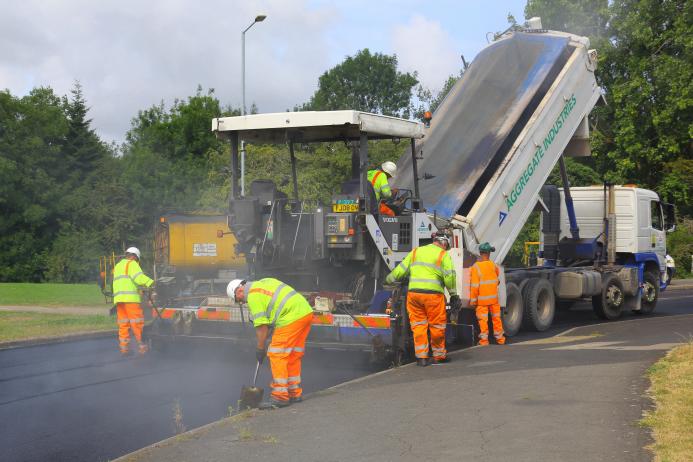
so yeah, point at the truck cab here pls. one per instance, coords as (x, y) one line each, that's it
(642, 221)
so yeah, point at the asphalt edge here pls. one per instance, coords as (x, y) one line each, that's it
(60, 339)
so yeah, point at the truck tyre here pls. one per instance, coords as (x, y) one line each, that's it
(650, 293)
(540, 305)
(609, 304)
(512, 312)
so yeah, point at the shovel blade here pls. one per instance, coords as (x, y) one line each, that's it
(251, 397)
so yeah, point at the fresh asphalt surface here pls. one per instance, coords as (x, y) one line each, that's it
(81, 401)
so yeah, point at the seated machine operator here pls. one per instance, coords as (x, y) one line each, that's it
(378, 178)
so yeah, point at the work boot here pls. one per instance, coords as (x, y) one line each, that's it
(441, 360)
(422, 362)
(143, 349)
(274, 404)
(295, 399)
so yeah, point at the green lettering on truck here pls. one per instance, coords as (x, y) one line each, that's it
(527, 173)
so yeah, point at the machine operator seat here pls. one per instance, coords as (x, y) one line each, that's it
(351, 188)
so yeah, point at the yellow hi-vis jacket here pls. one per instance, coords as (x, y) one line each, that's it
(429, 269)
(271, 302)
(378, 179)
(127, 275)
(483, 283)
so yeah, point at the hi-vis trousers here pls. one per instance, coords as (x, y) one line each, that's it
(130, 316)
(285, 353)
(482, 317)
(427, 311)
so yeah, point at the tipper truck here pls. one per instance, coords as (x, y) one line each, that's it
(478, 170)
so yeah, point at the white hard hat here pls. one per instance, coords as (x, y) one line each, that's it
(134, 251)
(231, 288)
(389, 167)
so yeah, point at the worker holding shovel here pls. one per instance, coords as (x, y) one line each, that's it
(283, 315)
(128, 278)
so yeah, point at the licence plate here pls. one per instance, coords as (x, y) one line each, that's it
(345, 208)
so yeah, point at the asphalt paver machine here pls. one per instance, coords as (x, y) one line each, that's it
(336, 254)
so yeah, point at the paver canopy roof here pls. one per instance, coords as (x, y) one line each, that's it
(476, 124)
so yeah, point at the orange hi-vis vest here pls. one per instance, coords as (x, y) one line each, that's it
(484, 282)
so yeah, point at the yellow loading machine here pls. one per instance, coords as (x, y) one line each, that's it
(192, 261)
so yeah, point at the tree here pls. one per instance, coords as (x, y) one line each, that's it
(645, 49)
(83, 148)
(428, 102)
(583, 17)
(649, 79)
(33, 130)
(172, 162)
(365, 82)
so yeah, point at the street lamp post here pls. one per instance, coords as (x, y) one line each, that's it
(258, 18)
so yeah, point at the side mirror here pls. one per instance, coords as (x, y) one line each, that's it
(669, 217)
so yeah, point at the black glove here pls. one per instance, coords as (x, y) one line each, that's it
(455, 303)
(260, 354)
(113, 310)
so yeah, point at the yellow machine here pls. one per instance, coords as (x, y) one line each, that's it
(194, 257)
(529, 256)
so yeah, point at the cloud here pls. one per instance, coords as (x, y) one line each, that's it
(130, 54)
(423, 45)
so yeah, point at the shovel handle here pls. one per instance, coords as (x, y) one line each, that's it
(257, 369)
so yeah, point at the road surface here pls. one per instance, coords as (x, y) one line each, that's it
(81, 401)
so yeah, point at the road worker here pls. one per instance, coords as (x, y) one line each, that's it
(283, 315)
(128, 278)
(483, 294)
(429, 269)
(378, 178)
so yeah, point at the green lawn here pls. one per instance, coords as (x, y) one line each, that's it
(672, 421)
(50, 294)
(19, 325)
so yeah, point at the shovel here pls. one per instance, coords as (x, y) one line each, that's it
(251, 396)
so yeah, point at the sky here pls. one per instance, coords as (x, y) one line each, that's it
(129, 55)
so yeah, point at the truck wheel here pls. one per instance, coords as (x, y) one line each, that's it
(609, 305)
(512, 312)
(540, 305)
(650, 294)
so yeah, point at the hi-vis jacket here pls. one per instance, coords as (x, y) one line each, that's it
(271, 302)
(429, 269)
(127, 275)
(483, 289)
(378, 179)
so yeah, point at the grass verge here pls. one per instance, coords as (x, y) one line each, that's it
(18, 325)
(50, 294)
(672, 421)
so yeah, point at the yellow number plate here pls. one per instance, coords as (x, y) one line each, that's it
(345, 208)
